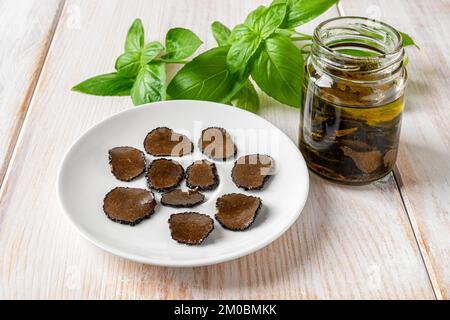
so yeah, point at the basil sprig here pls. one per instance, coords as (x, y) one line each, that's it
(141, 69)
(265, 50)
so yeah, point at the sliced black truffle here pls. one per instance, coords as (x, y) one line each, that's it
(217, 144)
(251, 172)
(237, 211)
(129, 205)
(190, 227)
(164, 174)
(163, 141)
(202, 174)
(178, 198)
(126, 163)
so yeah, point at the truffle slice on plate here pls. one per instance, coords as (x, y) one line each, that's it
(164, 174)
(237, 211)
(252, 171)
(190, 227)
(202, 174)
(178, 198)
(129, 205)
(162, 141)
(126, 163)
(217, 144)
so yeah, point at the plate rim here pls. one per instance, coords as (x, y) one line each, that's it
(190, 262)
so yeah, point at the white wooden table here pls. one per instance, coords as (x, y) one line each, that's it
(387, 240)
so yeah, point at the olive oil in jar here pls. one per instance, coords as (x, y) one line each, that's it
(347, 144)
(353, 98)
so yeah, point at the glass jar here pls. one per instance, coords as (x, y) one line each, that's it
(353, 91)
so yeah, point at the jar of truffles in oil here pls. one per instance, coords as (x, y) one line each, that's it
(353, 91)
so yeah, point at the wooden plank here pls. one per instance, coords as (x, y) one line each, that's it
(348, 243)
(423, 167)
(26, 29)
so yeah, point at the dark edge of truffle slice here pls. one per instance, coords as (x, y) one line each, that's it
(265, 180)
(169, 188)
(182, 205)
(209, 156)
(254, 216)
(131, 223)
(110, 164)
(203, 239)
(163, 155)
(207, 188)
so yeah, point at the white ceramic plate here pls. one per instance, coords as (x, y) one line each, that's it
(85, 178)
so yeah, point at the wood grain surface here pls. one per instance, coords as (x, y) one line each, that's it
(26, 31)
(348, 243)
(423, 167)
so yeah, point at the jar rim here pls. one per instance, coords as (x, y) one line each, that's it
(318, 38)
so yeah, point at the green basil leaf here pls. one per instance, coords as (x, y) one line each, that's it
(269, 20)
(246, 98)
(111, 84)
(150, 85)
(287, 2)
(238, 32)
(180, 44)
(221, 33)
(135, 37)
(301, 11)
(264, 21)
(128, 64)
(150, 51)
(253, 16)
(245, 45)
(206, 77)
(407, 40)
(279, 70)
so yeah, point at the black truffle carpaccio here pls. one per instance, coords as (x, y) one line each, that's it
(162, 142)
(178, 198)
(190, 227)
(164, 174)
(237, 211)
(126, 163)
(129, 205)
(217, 144)
(252, 171)
(202, 175)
